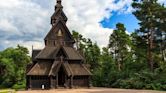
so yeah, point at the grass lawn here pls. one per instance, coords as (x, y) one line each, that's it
(7, 91)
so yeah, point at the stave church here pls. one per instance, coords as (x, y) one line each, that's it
(58, 64)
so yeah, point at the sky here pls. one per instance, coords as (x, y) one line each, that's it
(26, 22)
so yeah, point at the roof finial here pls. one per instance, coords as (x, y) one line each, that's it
(59, 2)
(59, 5)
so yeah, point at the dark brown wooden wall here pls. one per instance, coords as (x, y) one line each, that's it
(37, 82)
(79, 81)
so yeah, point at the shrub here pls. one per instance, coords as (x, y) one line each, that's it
(19, 86)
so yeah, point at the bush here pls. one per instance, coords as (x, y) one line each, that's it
(19, 86)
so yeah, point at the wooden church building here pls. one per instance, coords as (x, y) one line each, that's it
(59, 64)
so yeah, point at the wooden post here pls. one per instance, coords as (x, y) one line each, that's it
(57, 81)
(30, 86)
(68, 82)
(71, 82)
(51, 82)
(89, 82)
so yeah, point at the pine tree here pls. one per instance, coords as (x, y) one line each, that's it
(148, 12)
(119, 43)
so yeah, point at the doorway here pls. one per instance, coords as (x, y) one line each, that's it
(61, 77)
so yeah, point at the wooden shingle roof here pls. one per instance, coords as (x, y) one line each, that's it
(67, 68)
(34, 54)
(40, 68)
(48, 53)
(51, 69)
(59, 25)
(72, 53)
(51, 53)
(54, 68)
(79, 70)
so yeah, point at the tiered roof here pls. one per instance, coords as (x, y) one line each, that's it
(46, 59)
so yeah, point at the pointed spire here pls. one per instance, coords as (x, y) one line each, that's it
(58, 5)
(58, 14)
(59, 1)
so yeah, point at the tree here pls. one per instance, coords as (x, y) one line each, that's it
(92, 54)
(14, 61)
(151, 16)
(88, 49)
(119, 44)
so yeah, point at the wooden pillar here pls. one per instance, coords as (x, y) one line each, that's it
(71, 82)
(30, 82)
(27, 82)
(66, 81)
(57, 81)
(51, 83)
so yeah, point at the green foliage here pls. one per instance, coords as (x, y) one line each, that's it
(13, 61)
(151, 16)
(88, 49)
(19, 86)
(130, 51)
(119, 42)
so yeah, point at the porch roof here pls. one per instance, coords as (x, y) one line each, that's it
(40, 68)
(52, 68)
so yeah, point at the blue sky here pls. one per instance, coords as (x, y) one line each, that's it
(130, 21)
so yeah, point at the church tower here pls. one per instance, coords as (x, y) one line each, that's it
(59, 34)
(59, 64)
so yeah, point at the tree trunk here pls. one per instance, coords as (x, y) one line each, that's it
(119, 66)
(150, 48)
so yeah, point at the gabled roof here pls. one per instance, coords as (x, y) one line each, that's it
(72, 53)
(48, 53)
(79, 70)
(67, 69)
(35, 53)
(51, 33)
(51, 69)
(40, 68)
(55, 68)
(51, 53)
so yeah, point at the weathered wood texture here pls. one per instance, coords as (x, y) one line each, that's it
(59, 64)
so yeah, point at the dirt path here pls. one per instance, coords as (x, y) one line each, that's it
(94, 90)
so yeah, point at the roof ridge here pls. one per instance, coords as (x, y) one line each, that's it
(53, 65)
(69, 68)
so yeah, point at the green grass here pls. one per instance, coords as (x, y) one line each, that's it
(7, 91)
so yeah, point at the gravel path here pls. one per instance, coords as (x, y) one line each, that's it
(93, 90)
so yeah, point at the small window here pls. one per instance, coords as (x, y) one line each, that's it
(60, 33)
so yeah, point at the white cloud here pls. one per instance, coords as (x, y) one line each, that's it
(22, 21)
(84, 17)
(7, 26)
(29, 20)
